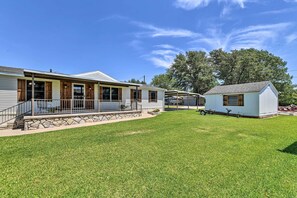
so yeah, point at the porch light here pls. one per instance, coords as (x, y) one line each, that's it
(65, 86)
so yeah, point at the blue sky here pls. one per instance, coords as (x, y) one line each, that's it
(131, 38)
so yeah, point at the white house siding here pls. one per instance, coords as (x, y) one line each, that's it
(146, 105)
(268, 102)
(250, 108)
(8, 91)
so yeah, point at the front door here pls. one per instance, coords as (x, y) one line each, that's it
(78, 95)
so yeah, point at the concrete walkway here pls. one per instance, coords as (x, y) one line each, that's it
(17, 132)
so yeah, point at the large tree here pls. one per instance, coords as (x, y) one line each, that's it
(192, 72)
(163, 81)
(251, 65)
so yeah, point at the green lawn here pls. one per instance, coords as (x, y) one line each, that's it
(176, 154)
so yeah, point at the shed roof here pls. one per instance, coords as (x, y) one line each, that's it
(239, 88)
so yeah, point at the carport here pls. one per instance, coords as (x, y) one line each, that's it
(170, 94)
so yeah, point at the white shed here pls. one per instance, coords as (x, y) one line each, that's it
(258, 99)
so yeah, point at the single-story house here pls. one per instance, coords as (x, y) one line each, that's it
(259, 99)
(26, 92)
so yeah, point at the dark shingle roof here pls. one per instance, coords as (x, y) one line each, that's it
(239, 88)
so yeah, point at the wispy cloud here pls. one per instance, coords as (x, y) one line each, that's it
(113, 17)
(192, 4)
(136, 44)
(250, 37)
(292, 37)
(154, 31)
(280, 11)
(163, 55)
(291, 1)
(257, 36)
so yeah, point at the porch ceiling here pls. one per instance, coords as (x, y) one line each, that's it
(58, 76)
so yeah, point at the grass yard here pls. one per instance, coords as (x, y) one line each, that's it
(176, 154)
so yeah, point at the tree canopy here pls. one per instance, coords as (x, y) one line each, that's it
(251, 65)
(192, 72)
(198, 71)
(163, 81)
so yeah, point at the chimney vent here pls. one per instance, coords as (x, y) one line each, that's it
(51, 70)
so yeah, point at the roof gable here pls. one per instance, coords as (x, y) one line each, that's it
(97, 75)
(240, 88)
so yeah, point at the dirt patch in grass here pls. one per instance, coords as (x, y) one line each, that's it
(127, 133)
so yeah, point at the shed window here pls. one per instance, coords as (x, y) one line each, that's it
(233, 100)
(153, 96)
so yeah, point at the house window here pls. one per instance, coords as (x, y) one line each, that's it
(233, 100)
(133, 95)
(110, 94)
(153, 96)
(114, 94)
(39, 90)
(106, 93)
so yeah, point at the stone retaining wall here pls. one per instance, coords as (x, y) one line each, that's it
(51, 121)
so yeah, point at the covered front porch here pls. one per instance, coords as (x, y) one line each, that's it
(55, 94)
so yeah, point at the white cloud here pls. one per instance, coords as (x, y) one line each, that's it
(166, 46)
(136, 44)
(280, 11)
(154, 31)
(162, 62)
(164, 55)
(192, 4)
(291, 1)
(250, 37)
(292, 37)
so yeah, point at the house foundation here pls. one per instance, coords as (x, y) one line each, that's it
(52, 121)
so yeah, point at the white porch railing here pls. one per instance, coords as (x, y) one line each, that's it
(75, 106)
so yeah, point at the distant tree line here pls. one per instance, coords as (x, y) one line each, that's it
(198, 71)
(137, 81)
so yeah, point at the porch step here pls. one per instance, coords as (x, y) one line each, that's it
(12, 124)
(6, 126)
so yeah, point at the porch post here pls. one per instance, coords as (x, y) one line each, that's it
(188, 101)
(32, 99)
(197, 100)
(176, 100)
(136, 98)
(99, 96)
